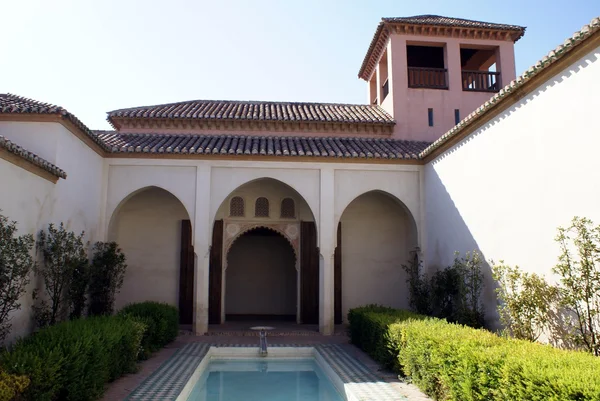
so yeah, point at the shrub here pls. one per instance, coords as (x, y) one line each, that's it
(16, 263)
(74, 360)
(64, 273)
(453, 293)
(11, 385)
(579, 271)
(161, 319)
(455, 362)
(526, 302)
(106, 278)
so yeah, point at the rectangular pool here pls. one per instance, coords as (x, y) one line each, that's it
(264, 380)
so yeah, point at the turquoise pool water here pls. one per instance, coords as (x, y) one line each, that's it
(260, 380)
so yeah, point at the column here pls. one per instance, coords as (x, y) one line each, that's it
(326, 247)
(453, 65)
(202, 233)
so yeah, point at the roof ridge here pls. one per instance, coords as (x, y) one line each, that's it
(501, 26)
(244, 102)
(549, 59)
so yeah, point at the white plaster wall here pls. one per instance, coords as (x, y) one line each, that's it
(403, 185)
(147, 227)
(261, 276)
(275, 191)
(40, 138)
(377, 236)
(35, 202)
(507, 187)
(225, 180)
(22, 199)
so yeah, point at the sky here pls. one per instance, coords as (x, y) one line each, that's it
(91, 57)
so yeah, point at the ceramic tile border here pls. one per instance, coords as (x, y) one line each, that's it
(170, 378)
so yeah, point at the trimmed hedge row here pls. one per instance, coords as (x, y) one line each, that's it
(162, 321)
(74, 360)
(454, 362)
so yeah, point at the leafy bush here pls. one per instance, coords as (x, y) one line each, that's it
(16, 262)
(106, 278)
(64, 274)
(455, 362)
(526, 302)
(74, 360)
(579, 271)
(161, 320)
(453, 293)
(11, 385)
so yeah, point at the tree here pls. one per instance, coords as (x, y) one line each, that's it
(579, 272)
(65, 262)
(16, 263)
(106, 278)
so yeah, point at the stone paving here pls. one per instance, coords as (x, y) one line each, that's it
(336, 348)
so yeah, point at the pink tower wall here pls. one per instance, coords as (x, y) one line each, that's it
(409, 106)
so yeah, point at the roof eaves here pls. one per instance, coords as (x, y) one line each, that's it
(552, 57)
(31, 157)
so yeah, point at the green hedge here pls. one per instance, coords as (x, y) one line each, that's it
(74, 360)
(454, 362)
(162, 321)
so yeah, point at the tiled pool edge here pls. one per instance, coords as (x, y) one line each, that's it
(170, 379)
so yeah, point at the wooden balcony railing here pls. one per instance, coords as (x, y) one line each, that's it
(480, 81)
(432, 78)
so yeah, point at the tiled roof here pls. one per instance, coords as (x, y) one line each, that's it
(568, 45)
(439, 20)
(31, 157)
(432, 20)
(347, 148)
(227, 110)
(13, 104)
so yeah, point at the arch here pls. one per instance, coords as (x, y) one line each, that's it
(290, 232)
(392, 196)
(153, 228)
(265, 287)
(261, 207)
(308, 195)
(113, 211)
(236, 207)
(377, 234)
(288, 209)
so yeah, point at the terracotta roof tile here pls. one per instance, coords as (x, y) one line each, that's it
(259, 111)
(439, 20)
(31, 157)
(569, 44)
(433, 20)
(346, 148)
(13, 104)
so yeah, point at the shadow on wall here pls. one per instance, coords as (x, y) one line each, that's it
(534, 201)
(444, 217)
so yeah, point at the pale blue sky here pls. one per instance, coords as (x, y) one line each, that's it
(94, 56)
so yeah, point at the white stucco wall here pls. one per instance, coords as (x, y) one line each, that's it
(507, 187)
(22, 200)
(261, 276)
(35, 202)
(147, 227)
(377, 236)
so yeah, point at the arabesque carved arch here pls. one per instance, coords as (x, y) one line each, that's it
(234, 230)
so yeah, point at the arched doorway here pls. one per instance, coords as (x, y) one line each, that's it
(273, 205)
(376, 235)
(153, 229)
(261, 277)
